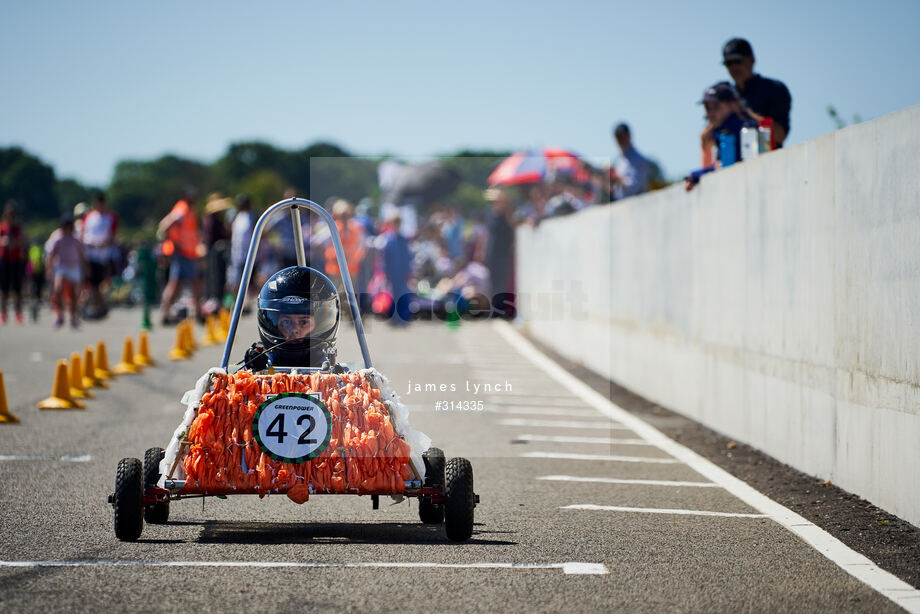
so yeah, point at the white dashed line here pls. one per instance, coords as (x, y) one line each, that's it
(559, 397)
(607, 441)
(568, 568)
(67, 458)
(600, 457)
(676, 483)
(654, 510)
(563, 424)
(558, 412)
(515, 379)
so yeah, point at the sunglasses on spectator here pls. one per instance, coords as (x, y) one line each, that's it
(731, 62)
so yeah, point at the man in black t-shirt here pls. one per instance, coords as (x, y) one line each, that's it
(765, 97)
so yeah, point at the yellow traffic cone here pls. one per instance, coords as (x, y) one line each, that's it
(102, 362)
(5, 416)
(90, 379)
(209, 338)
(178, 351)
(187, 341)
(143, 357)
(60, 395)
(77, 390)
(223, 324)
(192, 346)
(127, 366)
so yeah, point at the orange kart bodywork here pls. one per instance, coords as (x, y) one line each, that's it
(364, 456)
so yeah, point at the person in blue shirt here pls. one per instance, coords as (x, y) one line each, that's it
(724, 113)
(632, 168)
(397, 267)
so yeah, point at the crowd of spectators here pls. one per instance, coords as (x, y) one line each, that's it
(79, 259)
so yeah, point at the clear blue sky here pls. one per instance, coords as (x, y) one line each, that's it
(85, 84)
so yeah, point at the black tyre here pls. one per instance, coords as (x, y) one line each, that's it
(458, 508)
(157, 513)
(428, 512)
(128, 500)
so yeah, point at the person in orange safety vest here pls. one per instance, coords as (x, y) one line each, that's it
(352, 234)
(182, 245)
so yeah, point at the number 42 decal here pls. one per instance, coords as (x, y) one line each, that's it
(292, 427)
(280, 433)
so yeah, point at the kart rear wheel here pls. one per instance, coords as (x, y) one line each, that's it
(460, 499)
(158, 513)
(428, 512)
(128, 500)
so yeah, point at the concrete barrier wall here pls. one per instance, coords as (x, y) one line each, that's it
(778, 303)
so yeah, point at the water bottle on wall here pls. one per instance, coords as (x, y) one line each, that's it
(727, 154)
(766, 134)
(750, 140)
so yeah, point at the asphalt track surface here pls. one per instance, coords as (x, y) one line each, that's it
(577, 512)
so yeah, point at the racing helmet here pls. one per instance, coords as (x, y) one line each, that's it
(299, 313)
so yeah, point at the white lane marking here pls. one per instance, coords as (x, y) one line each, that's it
(571, 567)
(652, 510)
(526, 397)
(607, 441)
(562, 424)
(855, 564)
(524, 401)
(578, 478)
(594, 569)
(499, 378)
(558, 412)
(505, 367)
(600, 457)
(76, 458)
(67, 458)
(35, 356)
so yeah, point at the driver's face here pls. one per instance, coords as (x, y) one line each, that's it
(295, 326)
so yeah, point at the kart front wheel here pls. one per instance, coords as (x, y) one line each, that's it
(460, 499)
(128, 499)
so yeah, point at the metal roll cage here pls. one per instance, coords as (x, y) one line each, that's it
(295, 205)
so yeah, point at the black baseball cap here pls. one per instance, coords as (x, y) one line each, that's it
(719, 92)
(737, 49)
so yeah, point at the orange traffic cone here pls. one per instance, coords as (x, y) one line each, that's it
(143, 357)
(5, 416)
(127, 366)
(102, 362)
(210, 326)
(90, 379)
(77, 390)
(60, 395)
(178, 351)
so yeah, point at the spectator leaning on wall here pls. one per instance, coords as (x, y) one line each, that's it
(632, 168)
(765, 97)
(724, 113)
